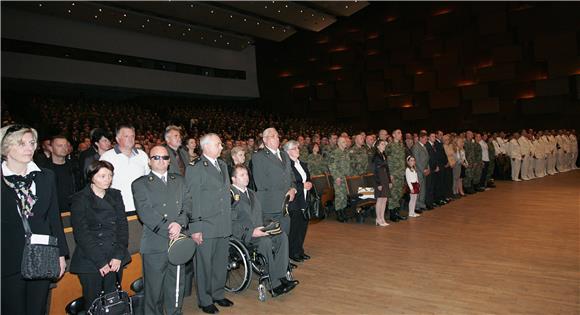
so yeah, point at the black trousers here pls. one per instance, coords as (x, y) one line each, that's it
(448, 182)
(24, 297)
(438, 185)
(93, 284)
(429, 190)
(482, 181)
(298, 227)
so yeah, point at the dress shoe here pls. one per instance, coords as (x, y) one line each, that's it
(224, 302)
(293, 265)
(401, 217)
(289, 282)
(297, 259)
(281, 289)
(210, 309)
(378, 223)
(305, 257)
(442, 202)
(419, 211)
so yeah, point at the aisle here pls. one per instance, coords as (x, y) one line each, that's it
(510, 250)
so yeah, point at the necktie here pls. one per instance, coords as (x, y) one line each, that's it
(164, 179)
(217, 166)
(278, 155)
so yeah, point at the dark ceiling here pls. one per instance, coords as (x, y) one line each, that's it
(224, 24)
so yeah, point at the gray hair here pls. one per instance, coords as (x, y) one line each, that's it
(206, 139)
(268, 132)
(171, 128)
(291, 144)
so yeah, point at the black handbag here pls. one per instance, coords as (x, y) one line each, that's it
(40, 257)
(314, 210)
(117, 302)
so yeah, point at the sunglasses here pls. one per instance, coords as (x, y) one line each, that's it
(160, 157)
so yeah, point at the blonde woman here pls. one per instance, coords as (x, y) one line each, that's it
(448, 172)
(460, 165)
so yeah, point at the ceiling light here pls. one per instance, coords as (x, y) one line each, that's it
(278, 11)
(169, 24)
(202, 37)
(40, 4)
(148, 21)
(231, 16)
(189, 29)
(120, 61)
(69, 11)
(96, 16)
(228, 43)
(124, 14)
(284, 30)
(273, 27)
(265, 7)
(215, 41)
(100, 10)
(301, 11)
(191, 5)
(346, 6)
(73, 4)
(245, 20)
(312, 14)
(182, 34)
(257, 23)
(221, 36)
(120, 21)
(142, 25)
(285, 5)
(211, 11)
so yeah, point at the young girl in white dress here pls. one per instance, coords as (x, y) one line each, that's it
(413, 182)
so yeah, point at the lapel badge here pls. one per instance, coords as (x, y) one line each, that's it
(236, 197)
(150, 178)
(205, 163)
(172, 176)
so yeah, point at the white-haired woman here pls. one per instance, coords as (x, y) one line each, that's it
(28, 194)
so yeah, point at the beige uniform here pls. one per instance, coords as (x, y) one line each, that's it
(515, 155)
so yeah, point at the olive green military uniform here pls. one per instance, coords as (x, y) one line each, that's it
(396, 159)
(359, 160)
(339, 166)
(473, 170)
(316, 164)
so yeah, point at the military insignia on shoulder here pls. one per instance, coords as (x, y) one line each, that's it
(150, 178)
(195, 161)
(172, 176)
(236, 197)
(267, 152)
(205, 163)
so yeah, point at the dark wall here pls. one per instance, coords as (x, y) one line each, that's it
(433, 65)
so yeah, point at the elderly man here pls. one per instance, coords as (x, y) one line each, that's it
(247, 226)
(178, 154)
(274, 178)
(163, 206)
(129, 163)
(211, 223)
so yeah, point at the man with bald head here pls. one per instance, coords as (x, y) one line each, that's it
(273, 178)
(208, 183)
(163, 207)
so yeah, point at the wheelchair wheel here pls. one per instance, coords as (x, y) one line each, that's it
(239, 267)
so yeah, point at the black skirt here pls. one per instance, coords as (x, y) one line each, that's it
(462, 172)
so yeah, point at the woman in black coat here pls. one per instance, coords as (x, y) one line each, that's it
(101, 233)
(299, 206)
(382, 181)
(30, 191)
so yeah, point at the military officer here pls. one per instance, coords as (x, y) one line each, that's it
(525, 149)
(471, 156)
(163, 206)
(338, 161)
(573, 149)
(539, 155)
(211, 223)
(274, 179)
(551, 152)
(359, 160)
(247, 225)
(396, 159)
(179, 157)
(489, 180)
(515, 154)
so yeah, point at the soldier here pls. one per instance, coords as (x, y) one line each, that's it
(163, 207)
(470, 156)
(551, 152)
(525, 150)
(339, 166)
(515, 154)
(573, 149)
(359, 160)
(539, 155)
(316, 163)
(211, 223)
(478, 167)
(396, 159)
(370, 148)
(274, 178)
(489, 180)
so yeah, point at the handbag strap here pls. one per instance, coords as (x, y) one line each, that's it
(25, 224)
(117, 283)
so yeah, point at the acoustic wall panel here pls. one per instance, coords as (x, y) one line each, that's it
(444, 98)
(475, 92)
(511, 53)
(325, 92)
(498, 72)
(492, 22)
(485, 106)
(425, 82)
(375, 95)
(400, 101)
(556, 46)
(564, 67)
(559, 86)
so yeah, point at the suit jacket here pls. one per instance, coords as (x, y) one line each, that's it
(86, 158)
(173, 164)
(442, 159)
(433, 162)
(421, 157)
(381, 169)
(46, 220)
(273, 178)
(299, 201)
(158, 205)
(100, 229)
(209, 191)
(246, 214)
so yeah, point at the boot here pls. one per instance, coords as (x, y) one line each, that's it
(340, 216)
(393, 216)
(398, 215)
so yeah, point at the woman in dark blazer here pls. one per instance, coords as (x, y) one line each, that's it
(37, 187)
(382, 181)
(298, 207)
(101, 233)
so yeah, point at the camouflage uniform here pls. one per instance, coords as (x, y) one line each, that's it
(491, 167)
(316, 164)
(370, 154)
(359, 160)
(473, 157)
(339, 165)
(396, 159)
(479, 165)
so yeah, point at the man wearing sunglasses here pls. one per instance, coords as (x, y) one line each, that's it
(163, 206)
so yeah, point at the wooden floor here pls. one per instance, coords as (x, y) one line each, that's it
(511, 250)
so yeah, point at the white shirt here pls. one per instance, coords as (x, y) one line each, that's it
(514, 150)
(276, 153)
(127, 169)
(214, 162)
(302, 173)
(30, 167)
(160, 175)
(411, 177)
(484, 151)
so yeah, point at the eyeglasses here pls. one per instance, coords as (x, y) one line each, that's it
(160, 157)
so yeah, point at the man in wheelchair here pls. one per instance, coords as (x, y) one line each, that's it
(248, 226)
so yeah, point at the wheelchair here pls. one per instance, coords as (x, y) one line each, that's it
(243, 261)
